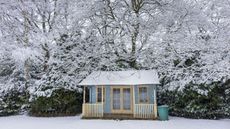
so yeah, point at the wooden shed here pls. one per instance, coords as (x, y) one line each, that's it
(120, 94)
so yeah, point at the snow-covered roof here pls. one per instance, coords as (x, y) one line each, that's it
(132, 77)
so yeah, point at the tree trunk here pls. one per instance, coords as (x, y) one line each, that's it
(26, 44)
(136, 6)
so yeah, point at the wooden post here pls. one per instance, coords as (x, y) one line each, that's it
(134, 101)
(134, 95)
(155, 104)
(84, 95)
(83, 106)
(102, 99)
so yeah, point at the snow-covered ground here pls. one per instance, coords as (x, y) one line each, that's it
(26, 122)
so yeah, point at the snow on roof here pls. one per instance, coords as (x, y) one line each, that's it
(121, 78)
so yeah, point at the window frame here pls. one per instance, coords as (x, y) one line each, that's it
(104, 93)
(122, 111)
(139, 94)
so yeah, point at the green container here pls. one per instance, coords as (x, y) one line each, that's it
(163, 112)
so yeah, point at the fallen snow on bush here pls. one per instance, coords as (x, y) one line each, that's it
(26, 122)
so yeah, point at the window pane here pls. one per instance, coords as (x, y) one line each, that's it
(143, 94)
(116, 99)
(104, 95)
(99, 94)
(126, 99)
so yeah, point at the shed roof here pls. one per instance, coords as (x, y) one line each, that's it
(132, 77)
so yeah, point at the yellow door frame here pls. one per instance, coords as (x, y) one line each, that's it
(121, 110)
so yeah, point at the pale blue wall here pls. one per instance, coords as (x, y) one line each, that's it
(93, 94)
(107, 108)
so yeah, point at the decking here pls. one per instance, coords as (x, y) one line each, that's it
(118, 117)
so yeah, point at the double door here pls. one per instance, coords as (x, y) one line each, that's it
(121, 100)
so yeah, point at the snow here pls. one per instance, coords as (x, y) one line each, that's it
(26, 122)
(131, 77)
(20, 55)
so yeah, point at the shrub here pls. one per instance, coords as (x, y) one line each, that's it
(198, 101)
(62, 102)
(13, 102)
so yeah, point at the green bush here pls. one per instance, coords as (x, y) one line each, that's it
(13, 102)
(198, 101)
(62, 102)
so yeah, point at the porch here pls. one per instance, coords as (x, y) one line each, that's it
(141, 111)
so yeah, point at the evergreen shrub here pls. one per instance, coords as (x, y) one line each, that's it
(62, 102)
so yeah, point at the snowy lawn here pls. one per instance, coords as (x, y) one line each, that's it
(26, 122)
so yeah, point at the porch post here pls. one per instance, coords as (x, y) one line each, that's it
(84, 95)
(134, 95)
(134, 108)
(155, 104)
(102, 99)
(83, 105)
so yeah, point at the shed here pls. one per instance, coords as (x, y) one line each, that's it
(120, 94)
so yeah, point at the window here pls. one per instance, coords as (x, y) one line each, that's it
(99, 94)
(143, 95)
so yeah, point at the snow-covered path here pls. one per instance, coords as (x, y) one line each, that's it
(26, 122)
